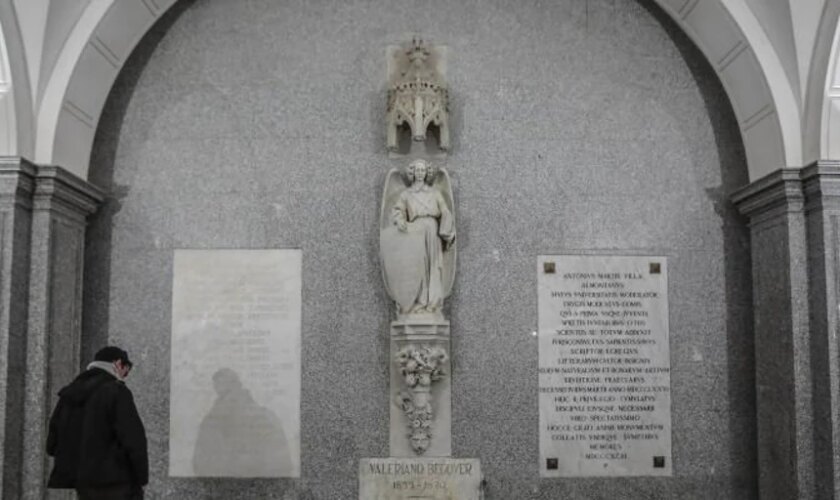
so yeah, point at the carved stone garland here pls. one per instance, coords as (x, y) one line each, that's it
(420, 366)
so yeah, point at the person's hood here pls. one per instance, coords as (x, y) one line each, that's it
(80, 389)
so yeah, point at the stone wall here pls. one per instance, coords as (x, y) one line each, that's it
(577, 126)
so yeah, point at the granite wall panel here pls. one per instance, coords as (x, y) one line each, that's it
(37, 350)
(775, 360)
(577, 126)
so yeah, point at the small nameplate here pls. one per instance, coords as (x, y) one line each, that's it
(419, 478)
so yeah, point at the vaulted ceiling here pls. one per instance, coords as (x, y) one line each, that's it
(792, 44)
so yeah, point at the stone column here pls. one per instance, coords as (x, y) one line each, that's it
(775, 206)
(821, 184)
(17, 179)
(61, 204)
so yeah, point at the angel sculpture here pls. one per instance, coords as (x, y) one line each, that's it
(417, 239)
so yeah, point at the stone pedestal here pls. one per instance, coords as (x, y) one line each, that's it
(420, 336)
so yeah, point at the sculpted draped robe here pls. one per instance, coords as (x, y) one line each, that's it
(424, 210)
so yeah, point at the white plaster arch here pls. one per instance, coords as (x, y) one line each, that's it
(87, 66)
(8, 129)
(826, 99)
(784, 95)
(764, 101)
(822, 88)
(17, 136)
(726, 31)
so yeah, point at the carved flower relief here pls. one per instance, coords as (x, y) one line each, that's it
(419, 422)
(406, 402)
(419, 417)
(421, 365)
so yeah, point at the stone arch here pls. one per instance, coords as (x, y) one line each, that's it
(824, 96)
(137, 125)
(726, 31)
(16, 130)
(765, 104)
(8, 137)
(90, 60)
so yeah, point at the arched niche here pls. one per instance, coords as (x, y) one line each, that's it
(726, 31)
(528, 180)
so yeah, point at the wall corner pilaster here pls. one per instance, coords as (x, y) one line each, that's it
(61, 203)
(17, 184)
(821, 185)
(775, 205)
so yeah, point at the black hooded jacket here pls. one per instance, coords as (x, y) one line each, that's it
(96, 435)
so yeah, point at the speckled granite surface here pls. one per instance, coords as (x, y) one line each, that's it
(576, 126)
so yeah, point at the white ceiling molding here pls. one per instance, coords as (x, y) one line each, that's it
(830, 122)
(32, 19)
(56, 88)
(82, 78)
(807, 20)
(8, 121)
(785, 96)
(765, 104)
(16, 109)
(818, 92)
(726, 31)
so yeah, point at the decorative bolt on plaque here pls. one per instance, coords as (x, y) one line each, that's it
(420, 367)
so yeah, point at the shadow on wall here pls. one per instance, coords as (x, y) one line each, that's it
(739, 380)
(239, 438)
(97, 267)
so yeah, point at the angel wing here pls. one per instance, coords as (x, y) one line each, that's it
(394, 185)
(396, 249)
(443, 184)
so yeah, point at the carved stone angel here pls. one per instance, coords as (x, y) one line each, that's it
(417, 239)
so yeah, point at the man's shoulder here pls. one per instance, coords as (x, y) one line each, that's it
(113, 388)
(118, 386)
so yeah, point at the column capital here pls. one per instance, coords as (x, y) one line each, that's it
(773, 195)
(58, 190)
(821, 185)
(53, 188)
(17, 181)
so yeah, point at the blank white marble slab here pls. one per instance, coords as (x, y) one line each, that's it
(235, 366)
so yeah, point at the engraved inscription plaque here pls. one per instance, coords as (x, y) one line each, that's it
(604, 366)
(419, 479)
(235, 372)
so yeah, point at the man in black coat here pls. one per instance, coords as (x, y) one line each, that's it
(96, 435)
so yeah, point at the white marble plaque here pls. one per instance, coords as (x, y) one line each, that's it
(235, 372)
(419, 479)
(604, 366)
